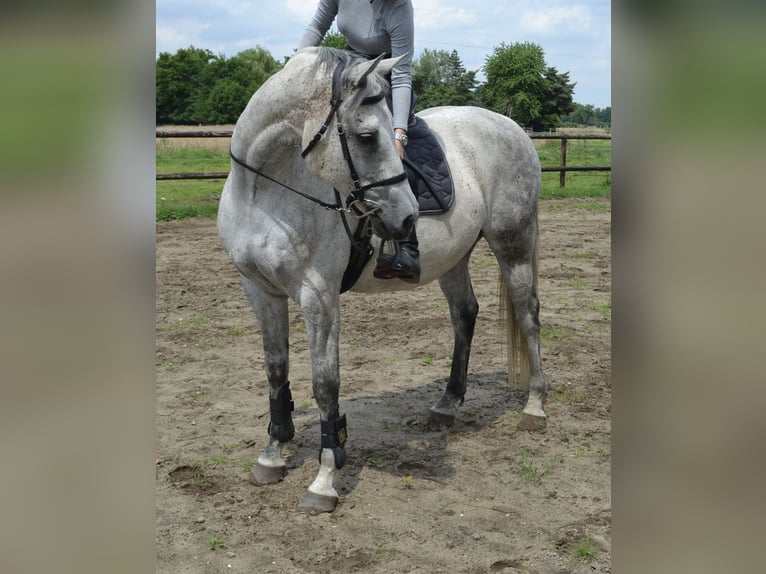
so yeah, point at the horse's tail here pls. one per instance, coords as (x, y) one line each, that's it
(518, 355)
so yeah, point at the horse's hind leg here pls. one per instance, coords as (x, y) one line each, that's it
(271, 312)
(520, 277)
(463, 308)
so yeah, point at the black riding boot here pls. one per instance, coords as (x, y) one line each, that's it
(404, 264)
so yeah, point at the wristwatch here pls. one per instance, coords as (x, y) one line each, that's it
(401, 137)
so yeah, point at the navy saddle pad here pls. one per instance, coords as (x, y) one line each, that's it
(427, 170)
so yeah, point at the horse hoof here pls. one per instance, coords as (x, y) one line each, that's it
(532, 423)
(315, 503)
(442, 418)
(261, 474)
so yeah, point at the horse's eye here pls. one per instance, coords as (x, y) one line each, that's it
(367, 138)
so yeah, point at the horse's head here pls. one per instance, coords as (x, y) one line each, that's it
(349, 144)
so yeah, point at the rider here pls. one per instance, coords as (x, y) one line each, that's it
(371, 28)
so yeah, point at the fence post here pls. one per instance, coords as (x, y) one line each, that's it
(563, 172)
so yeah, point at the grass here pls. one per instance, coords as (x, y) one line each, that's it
(579, 153)
(229, 459)
(585, 550)
(215, 542)
(528, 471)
(549, 333)
(381, 548)
(182, 199)
(194, 324)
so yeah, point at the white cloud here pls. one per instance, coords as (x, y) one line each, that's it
(438, 15)
(174, 34)
(237, 9)
(550, 21)
(303, 9)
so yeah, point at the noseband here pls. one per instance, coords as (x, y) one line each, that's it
(356, 203)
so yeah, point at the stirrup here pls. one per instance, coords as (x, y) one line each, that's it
(394, 266)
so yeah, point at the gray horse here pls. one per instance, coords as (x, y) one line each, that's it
(312, 155)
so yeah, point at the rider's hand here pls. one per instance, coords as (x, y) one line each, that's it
(399, 144)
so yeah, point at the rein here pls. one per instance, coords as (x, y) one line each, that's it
(356, 197)
(337, 206)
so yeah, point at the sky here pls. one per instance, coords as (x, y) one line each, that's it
(575, 35)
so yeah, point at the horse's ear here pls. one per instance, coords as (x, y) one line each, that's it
(384, 66)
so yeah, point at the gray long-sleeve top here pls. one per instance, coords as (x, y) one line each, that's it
(373, 27)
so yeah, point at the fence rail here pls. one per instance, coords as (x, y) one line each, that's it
(563, 168)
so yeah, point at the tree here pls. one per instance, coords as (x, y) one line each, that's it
(520, 85)
(197, 87)
(176, 83)
(581, 115)
(515, 82)
(604, 116)
(439, 79)
(557, 99)
(334, 39)
(258, 65)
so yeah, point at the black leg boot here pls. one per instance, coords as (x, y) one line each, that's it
(404, 264)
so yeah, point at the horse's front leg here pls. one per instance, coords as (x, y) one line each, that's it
(271, 312)
(321, 313)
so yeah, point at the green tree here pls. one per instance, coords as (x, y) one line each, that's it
(197, 87)
(520, 85)
(604, 116)
(440, 79)
(334, 39)
(258, 65)
(515, 84)
(176, 83)
(581, 115)
(557, 99)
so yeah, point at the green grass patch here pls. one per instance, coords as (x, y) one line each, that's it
(215, 542)
(187, 198)
(579, 153)
(194, 324)
(586, 551)
(173, 159)
(182, 199)
(529, 471)
(551, 334)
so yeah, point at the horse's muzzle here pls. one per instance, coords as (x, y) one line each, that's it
(393, 232)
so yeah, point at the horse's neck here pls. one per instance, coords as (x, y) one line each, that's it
(268, 136)
(270, 128)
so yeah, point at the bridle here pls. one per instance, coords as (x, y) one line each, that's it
(356, 203)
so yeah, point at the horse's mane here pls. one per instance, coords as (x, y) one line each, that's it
(329, 58)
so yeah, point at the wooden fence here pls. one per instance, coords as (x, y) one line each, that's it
(562, 168)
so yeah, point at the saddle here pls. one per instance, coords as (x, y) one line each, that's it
(429, 177)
